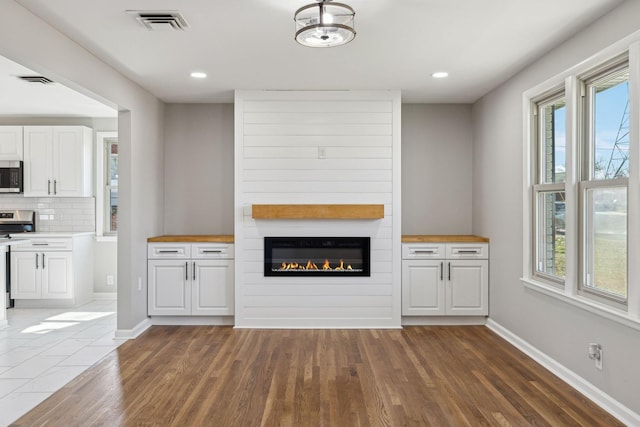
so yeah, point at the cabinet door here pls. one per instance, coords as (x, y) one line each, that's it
(57, 276)
(467, 287)
(25, 277)
(68, 161)
(11, 143)
(169, 290)
(38, 148)
(213, 288)
(422, 287)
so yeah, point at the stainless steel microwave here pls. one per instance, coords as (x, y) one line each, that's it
(11, 175)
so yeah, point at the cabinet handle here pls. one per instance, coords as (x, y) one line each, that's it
(39, 244)
(218, 251)
(55, 186)
(186, 271)
(43, 266)
(431, 251)
(449, 273)
(37, 261)
(194, 271)
(48, 186)
(165, 251)
(475, 251)
(441, 271)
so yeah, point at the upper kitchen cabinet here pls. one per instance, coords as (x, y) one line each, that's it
(11, 143)
(57, 161)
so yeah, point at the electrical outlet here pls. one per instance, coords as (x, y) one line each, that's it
(599, 360)
(109, 279)
(594, 352)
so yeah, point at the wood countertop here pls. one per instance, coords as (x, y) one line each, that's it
(193, 238)
(443, 238)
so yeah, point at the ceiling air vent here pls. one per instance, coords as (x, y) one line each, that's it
(36, 79)
(160, 19)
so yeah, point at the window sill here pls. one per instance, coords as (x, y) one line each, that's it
(613, 314)
(106, 238)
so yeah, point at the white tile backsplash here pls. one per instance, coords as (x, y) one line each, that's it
(60, 214)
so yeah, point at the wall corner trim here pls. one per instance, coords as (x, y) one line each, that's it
(135, 332)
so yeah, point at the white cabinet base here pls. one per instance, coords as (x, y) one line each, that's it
(443, 320)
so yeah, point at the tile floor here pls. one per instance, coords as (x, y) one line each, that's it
(43, 349)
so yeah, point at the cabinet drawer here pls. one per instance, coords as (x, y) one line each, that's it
(168, 250)
(467, 251)
(423, 251)
(41, 244)
(211, 251)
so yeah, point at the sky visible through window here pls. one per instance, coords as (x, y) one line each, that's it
(609, 118)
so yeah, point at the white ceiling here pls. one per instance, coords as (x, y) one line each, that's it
(249, 44)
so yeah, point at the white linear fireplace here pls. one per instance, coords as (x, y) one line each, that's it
(317, 148)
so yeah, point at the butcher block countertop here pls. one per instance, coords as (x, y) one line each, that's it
(443, 238)
(193, 238)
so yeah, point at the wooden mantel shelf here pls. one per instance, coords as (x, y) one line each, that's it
(317, 211)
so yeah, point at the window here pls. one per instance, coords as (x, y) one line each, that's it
(111, 186)
(604, 181)
(107, 184)
(579, 134)
(549, 190)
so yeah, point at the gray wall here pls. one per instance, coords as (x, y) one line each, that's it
(26, 39)
(436, 140)
(198, 169)
(436, 169)
(555, 328)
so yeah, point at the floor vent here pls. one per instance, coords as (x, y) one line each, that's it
(160, 20)
(36, 79)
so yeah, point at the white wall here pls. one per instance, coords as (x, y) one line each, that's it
(278, 140)
(559, 330)
(436, 169)
(198, 169)
(26, 39)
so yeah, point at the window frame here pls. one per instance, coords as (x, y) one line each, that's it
(540, 185)
(588, 181)
(629, 314)
(102, 207)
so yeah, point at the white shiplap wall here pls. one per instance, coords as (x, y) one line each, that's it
(280, 137)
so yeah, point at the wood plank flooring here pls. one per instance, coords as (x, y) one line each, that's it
(220, 376)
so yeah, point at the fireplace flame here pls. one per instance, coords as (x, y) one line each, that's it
(313, 266)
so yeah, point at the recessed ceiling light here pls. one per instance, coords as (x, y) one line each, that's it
(198, 75)
(440, 75)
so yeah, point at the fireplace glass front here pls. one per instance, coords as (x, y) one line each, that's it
(317, 256)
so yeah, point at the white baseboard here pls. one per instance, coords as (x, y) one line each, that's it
(606, 402)
(443, 320)
(134, 333)
(192, 320)
(105, 296)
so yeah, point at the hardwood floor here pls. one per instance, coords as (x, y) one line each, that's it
(220, 376)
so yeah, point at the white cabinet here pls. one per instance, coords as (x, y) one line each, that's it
(52, 269)
(190, 279)
(58, 161)
(11, 143)
(445, 279)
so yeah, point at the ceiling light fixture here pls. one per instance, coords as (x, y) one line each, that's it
(324, 24)
(198, 75)
(440, 75)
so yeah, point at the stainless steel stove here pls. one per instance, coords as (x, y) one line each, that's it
(13, 222)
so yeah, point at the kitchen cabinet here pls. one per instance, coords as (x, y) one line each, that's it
(58, 161)
(11, 143)
(190, 279)
(52, 271)
(445, 279)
